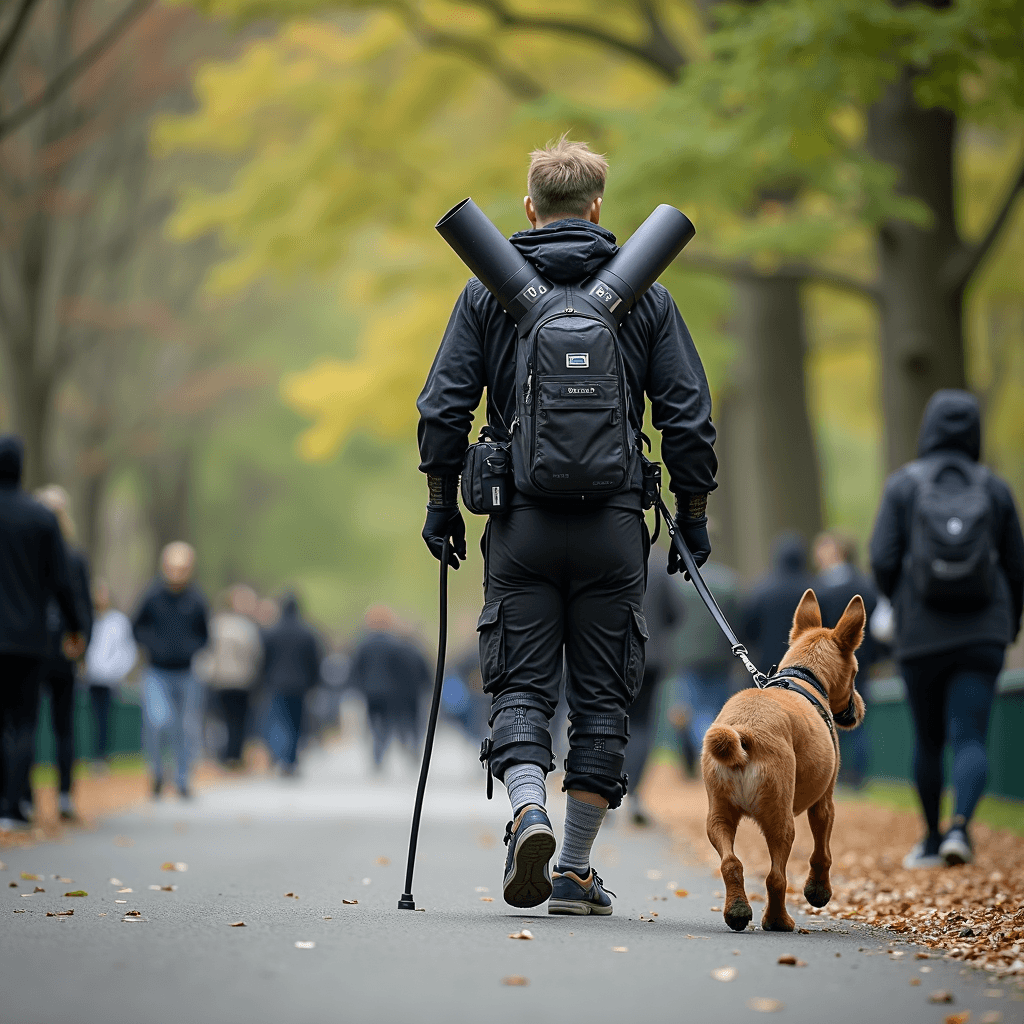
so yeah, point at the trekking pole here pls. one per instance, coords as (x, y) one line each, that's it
(407, 902)
(706, 596)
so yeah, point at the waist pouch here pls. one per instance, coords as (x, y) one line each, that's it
(487, 477)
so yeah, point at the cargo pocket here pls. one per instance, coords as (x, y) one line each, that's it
(635, 646)
(492, 645)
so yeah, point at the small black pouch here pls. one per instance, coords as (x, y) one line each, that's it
(487, 476)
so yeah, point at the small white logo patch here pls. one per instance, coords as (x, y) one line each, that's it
(495, 495)
(575, 360)
(955, 526)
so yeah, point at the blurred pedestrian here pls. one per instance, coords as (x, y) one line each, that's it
(947, 549)
(170, 624)
(704, 657)
(111, 655)
(391, 674)
(291, 668)
(58, 669)
(768, 609)
(839, 580)
(664, 612)
(33, 568)
(229, 665)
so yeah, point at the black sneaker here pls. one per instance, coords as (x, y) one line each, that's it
(574, 895)
(531, 845)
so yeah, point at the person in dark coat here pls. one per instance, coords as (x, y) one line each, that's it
(950, 658)
(839, 580)
(59, 670)
(171, 626)
(291, 668)
(391, 674)
(768, 610)
(33, 568)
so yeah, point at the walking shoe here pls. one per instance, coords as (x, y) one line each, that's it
(158, 785)
(956, 847)
(15, 824)
(531, 845)
(67, 809)
(574, 895)
(918, 858)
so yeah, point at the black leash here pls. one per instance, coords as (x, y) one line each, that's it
(705, 594)
(407, 902)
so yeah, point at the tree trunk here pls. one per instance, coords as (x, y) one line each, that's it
(921, 315)
(31, 407)
(770, 474)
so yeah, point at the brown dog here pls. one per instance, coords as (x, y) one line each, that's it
(770, 755)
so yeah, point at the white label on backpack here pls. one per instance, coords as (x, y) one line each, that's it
(495, 496)
(955, 526)
(577, 360)
(605, 295)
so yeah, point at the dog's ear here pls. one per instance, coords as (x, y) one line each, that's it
(849, 631)
(807, 615)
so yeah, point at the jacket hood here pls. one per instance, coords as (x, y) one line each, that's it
(567, 251)
(790, 554)
(11, 458)
(951, 422)
(289, 606)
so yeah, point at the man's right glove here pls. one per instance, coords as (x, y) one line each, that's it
(692, 523)
(444, 520)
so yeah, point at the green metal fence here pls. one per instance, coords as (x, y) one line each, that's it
(125, 726)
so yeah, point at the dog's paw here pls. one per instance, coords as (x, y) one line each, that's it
(817, 893)
(738, 914)
(782, 923)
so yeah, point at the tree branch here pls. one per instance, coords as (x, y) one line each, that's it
(961, 267)
(742, 269)
(17, 26)
(65, 78)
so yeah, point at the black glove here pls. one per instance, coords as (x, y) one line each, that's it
(444, 520)
(693, 530)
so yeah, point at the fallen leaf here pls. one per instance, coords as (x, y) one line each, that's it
(21, 911)
(29, 877)
(481, 888)
(290, 895)
(383, 861)
(124, 890)
(925, 970)
(65, 913)
(305, 945)
(516, 980)
(12, 885)
(654, 913)
(715, 910)
(237, 924)
(155, 888)
(763, 1005)
(366, 881)
(524, 934)
(328, 918)
(27, 895)
(350, 903)
(116, 881)
(76, 892)
(723, 973)
(174, 865)
(804, 931)
(120, 901)
(958, 1018)
(940, 995)
(421, 910)
(915, 981)
(682, 892)
(922, 956)
(486, 899)
(39, 888)
(167, 888)
(991, 1017)
(790, 960)
(993, 993)
(132, 913)
(620, 949)
(61, 878)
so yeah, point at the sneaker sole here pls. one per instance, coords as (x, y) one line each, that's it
(578, 908)
(956, 856)
(529, 882)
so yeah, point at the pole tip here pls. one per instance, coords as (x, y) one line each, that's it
(407, 902)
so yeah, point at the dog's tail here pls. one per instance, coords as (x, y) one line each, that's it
(727, 745)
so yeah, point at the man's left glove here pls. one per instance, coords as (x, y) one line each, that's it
(444, 520)
(692, 523)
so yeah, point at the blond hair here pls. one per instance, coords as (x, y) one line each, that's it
(57, 500)
(565, 178)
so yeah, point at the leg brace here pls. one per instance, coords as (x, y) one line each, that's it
(519, 735)
(597, 747)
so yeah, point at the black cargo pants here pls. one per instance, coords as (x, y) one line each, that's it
(564, 584)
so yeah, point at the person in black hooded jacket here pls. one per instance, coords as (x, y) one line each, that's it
(950, 658)
(560, 578)
(33, 568)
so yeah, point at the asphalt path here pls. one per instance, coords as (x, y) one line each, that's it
(339, 834)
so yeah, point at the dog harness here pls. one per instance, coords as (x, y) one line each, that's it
(791, 677)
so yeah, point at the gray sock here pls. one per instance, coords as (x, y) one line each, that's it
(525, 785)
(582, 823)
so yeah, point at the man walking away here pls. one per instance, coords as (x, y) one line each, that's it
(110, 657)
(768, 610)
(839, 580)
(33, 567)
(171, 626)
(947, 550)
(564, 577)
(230, 664)
(291, 668)
(59, 670)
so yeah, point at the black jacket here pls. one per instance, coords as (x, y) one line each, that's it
(390, 672)
(952, 423)
(33, 564)
(56, 621)
(768, 610)
(478, 350)
(171, 626)
(291, 653)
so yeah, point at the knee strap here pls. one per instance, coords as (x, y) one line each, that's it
(518, 700)
(597, 746)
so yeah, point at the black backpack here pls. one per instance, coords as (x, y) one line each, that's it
(571, 437)
(952, 555)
